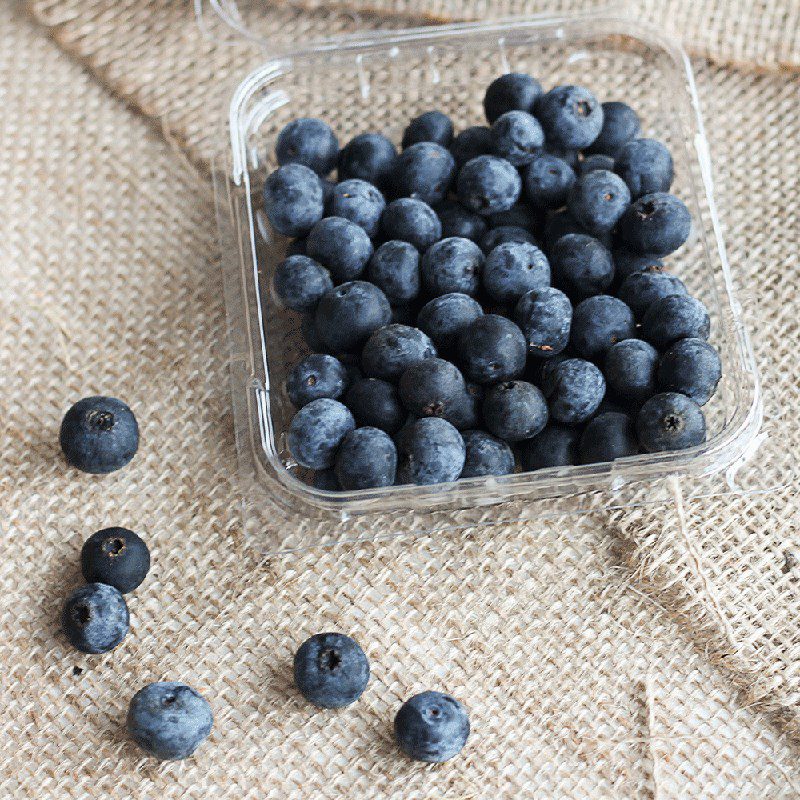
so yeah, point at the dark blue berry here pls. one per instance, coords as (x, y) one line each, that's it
(347, 315)
(169, 720)
(431, 727)
(432, 126)
(452, 265)
(413, 221)
(300, 282)
(630, 370)
(656, 224)
(545, 318)
(514, 410)
(375, 403)
(491, 349)
(571, 116)
(582, 267)
(358, 201)
(471, 143)
(598, 322)
(598, 199)
(670, 421)
(518, 216)
(370, 157)
(503, 235)
(394, 268)
(626, 263)
(341, 246)
(554, 446)
(548, 180)
(517, 136)
(99, 435)
(594, 163)
(514, 91)
(574, 389)
(425, 171)
(488, 184)
(317, 430)
(641, 289)
(366, 459)
(466, 412)
(116, 556)
(676, 316)
(309, 142)
(326, 479)
(620, 125)
(293, 200)
(331, 670)
(646, 167)
(607, 437)
(458, 221)
(432, 451)
(391, 350)
(95, 618)
(486, 455)
(514, 268)
(431, 388)
(314, 377)
(691, 367)
(308, 330)
(444, 317)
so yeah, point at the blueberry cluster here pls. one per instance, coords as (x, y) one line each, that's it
(488, 301)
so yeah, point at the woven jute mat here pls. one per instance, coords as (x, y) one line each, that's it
(635, 654)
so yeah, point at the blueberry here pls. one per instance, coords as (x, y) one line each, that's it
(452, 265)
(554, 446)
(308, 330)
(574, 389)
(545, 318)
(391, 350)
(571, 116)
(375, 403)
(326, 479)
(598, 199)
(488, 184)
(607, 437)
(582, 267)
(347, 315)
(560, 223)
(99, 435)
(431, 388)
(626, 263)
(691, 367)
(620, 125)
(432, 126)
(504, 235)
(518, 216)
(169, 720)
(341, 246)
(358, 201)
(293, 200)
(314, 377)
(309, 142)
(676, 316)
(444, 317)
(300, 282)
(412, 221)
(431, 727)
(115, 556)
(670, 421)
(548, 180)
(471, 143)
(394, 268)
(331, 670)
(424, 171)
(598, 322)
(646, 166)
(458, 221)
(370, 157)
(432, 451)
(594, 163)
(491, 349)
(630, 370)
(486, 455)
(517, 136)
(317, 430)
(466, 412)
(514, 268)
(514, 410)
(95, 618)
(366, 459)
(641, 289)
(657, 224)
(514, 91)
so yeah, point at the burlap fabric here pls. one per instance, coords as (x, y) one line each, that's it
(601, 656)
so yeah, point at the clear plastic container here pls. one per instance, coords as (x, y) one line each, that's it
(378, 81)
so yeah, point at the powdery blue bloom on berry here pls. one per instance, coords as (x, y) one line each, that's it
(293, 200)
(95, 618)
(317, 430)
